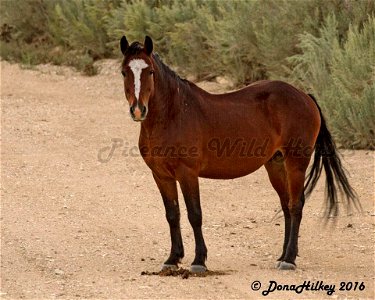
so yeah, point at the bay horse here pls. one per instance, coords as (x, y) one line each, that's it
(187, 133)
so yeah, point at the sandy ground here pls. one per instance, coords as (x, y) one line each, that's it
(74, 226)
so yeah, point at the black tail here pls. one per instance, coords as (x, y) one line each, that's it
(326, 156)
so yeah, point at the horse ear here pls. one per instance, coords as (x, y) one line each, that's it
(124, 44)
(148, 45)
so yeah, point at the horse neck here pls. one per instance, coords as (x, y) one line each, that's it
(165, 106)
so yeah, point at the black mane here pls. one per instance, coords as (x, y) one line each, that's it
(167, 70)
(134, 49)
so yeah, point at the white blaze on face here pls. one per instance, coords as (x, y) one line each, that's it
(136, 66)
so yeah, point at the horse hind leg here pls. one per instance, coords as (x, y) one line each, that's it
(295, 168)
(278, 178)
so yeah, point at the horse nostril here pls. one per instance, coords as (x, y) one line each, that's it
(144, 109)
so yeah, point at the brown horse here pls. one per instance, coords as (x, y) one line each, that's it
(187, 133)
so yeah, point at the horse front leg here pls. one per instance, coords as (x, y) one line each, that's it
(168, 190)
(190, 189)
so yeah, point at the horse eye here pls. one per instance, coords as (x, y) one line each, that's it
(123, 73)
(152, 72)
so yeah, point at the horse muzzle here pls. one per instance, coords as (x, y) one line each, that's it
(138, 112)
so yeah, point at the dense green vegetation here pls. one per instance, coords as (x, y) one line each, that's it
(326, 47)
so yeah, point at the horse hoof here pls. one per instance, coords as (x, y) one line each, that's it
(286, 266)
(198, 269)
(278, 264)
(169, 267)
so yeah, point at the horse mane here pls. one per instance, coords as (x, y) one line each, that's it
(134, 49)
(167, 70)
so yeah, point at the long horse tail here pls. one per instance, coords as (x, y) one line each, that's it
(326, 157)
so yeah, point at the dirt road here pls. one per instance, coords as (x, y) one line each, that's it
(74, 226)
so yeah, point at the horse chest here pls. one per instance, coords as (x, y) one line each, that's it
(159, 156)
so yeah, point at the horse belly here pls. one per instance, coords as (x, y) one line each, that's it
(231, 168)
(236, 155)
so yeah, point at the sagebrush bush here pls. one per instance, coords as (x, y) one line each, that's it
(342, 78)
(80, 25)
(38, 27)
(29, 19)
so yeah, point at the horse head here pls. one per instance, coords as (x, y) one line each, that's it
(138, 72)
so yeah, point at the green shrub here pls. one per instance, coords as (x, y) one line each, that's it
(80, 25)
(24, 34)
(28, 18)
(342, 78)
(178, 28)
(38, 27)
